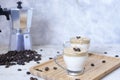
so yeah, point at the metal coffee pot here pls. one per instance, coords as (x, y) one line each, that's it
(21, 18)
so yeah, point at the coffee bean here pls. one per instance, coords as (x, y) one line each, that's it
(92, 64)
(0, 30)
(50, 58)
(7, 66)
(105, 52)
(84, 68)
(58, 52)
(78, 37)
(20, 63)
(46, 68)
(103, 61)
(41, 49)
(36, 59)
(12, 63)
(77, 49)
(28, 73)
(116, 55)
(55, 68)
(19, 69)
(35, 79)
(38, 62)
(38, 70)
(32, 78)
(77, 79)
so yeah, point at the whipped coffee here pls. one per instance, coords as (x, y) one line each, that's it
(74, 53)
(80, 42)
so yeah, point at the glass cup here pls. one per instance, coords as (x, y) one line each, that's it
(74, 60)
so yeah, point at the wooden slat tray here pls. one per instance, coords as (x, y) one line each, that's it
(96, 72)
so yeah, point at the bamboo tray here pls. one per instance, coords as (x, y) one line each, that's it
(96, 72)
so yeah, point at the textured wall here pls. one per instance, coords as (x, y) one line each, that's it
(55, 21)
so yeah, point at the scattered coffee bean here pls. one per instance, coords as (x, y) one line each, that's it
(50, 58)
(32, 78)
(7, 66)
(0, 30)
(84, 68)
(28, 73)
(77, 79)
(116, 55)
(38, 70)
(35, 79)
(19, 69)
(77, 49)
(46, 68)
(38, 62)
(105, 52)
(58, 52)
(92, 64)
(78, 37)
(55, 68)
(103, 61)
(41, 49)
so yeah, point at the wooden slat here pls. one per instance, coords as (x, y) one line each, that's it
(91, 72)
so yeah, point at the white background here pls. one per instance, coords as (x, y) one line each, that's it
(55, 21)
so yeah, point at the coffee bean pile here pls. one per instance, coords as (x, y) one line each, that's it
(19, 57)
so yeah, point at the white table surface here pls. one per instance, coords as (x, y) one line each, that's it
(12, 72)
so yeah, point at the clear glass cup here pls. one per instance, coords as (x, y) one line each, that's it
(74, 61)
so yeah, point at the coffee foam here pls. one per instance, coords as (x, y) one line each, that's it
(71, 52)
(81, 40)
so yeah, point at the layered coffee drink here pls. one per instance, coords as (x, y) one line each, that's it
(75, 53)
(80, 42)
(74, 59)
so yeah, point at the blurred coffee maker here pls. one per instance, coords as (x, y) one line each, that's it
(21, 18)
